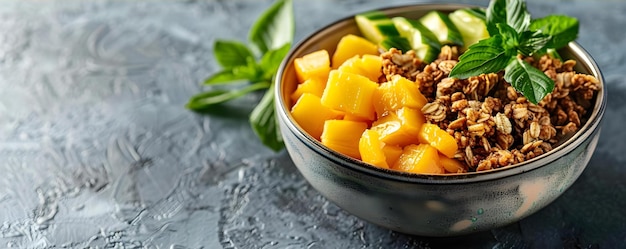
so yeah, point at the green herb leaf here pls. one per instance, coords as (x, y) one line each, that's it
(510, 37)
(486, 56)
(271, 61)
(562, 29)
(264, 122)
(231, 54)
(223, 77)
(519, 34)
(511, 12)
(532, 82)
(274, 28)
(270, 37)
(252, 71)
(496, 13)
(533, 42)
(209, 98)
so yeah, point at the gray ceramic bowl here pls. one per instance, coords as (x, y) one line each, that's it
(433, 205)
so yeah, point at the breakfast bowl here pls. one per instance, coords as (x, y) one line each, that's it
(435, 205)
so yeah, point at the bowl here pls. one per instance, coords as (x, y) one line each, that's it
(433, 205)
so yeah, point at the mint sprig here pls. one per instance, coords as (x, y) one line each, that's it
(248, 68)
(513, 32)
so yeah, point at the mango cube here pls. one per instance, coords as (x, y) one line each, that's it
(371, 149)
(313, 86)
(397, 93)
(434, 136)
(310, 114)
(401, 127)
(451, 165)
(367, 65)
(392, 153)
(351, 117)
(343, 136)
(350, 93)
(372, 65)
(312, 65)
(421, 159)
(351, 45)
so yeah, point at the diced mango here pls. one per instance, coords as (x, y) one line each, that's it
(367, 65)
(351, 117)
(343, 136)
(401, 127)
(433, 135)
(421, 158)
(312, 65)
(351, 45)
(350, 93)
(310, 114)
(371, 149)
(397, 93)
(313, 86)
(392, 153)
(451, 165)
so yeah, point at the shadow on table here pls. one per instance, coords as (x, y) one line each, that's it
(588, 215)
(227, 111)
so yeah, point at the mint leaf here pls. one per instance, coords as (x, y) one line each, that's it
(486, 56)
(275, 27)
(511, 12)
(206, 99)
(231, 54)
(563, 29)
(271, 61)
(264, 122)
(532, 82)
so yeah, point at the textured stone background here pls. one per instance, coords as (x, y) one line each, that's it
(96, 149)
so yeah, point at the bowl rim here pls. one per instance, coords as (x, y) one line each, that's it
(587, 130)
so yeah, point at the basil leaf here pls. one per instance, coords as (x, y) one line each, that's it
(496, 13)
(271, 61)
(264, 123)
(533, 42)
(251, 71)
(275, 27)
(231, 54)
(517, 15)
(486, 56)
(530, 81)
(224, 76)
(206, 99)
(511, 12)
(563, 29)
(509, 36)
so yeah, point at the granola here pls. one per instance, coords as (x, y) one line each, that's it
(493, 124)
